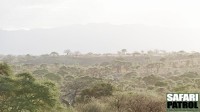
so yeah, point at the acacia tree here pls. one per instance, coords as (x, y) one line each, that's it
(22, 93)
(98, 90)
(73, 89)
(54, 54)
(67, 52)
(123, 51)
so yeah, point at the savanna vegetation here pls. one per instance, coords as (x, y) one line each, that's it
(75, 82)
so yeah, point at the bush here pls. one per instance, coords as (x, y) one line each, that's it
(53, 77)
(24, 94)
(190, 75)
(137, 103)
(151, 79)
(5, 69)
(161, 84)
(92, 106)
(183, 88)
(97, 91)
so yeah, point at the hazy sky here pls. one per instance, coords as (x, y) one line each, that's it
(53, 13)
(148, 20)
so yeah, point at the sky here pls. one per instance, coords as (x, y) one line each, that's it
(29, 14)
(176, 15)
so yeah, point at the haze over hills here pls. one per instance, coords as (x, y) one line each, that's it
(98, 38)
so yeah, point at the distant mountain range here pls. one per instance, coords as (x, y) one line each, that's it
(97, 38)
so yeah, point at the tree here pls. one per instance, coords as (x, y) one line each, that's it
(158, 66)
(5, 69)
(53, 77)
(155, 65)
(54, 54)
(73, 89)
(24, 93)
(41, 72)
(123, 51)
(8, 59)
(127, 65)
(90, 54)
(117, 64)
(99, 90)
(43, 66)
(67, 52)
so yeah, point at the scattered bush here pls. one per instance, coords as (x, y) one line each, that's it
(161, 84)
(137, 103)
(97, 91)
(92, 106)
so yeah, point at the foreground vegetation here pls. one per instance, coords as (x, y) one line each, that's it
(123, 82)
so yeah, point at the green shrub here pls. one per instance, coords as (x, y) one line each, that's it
(53, 77)
(161, 84)
(151, 79)
(97, 91)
